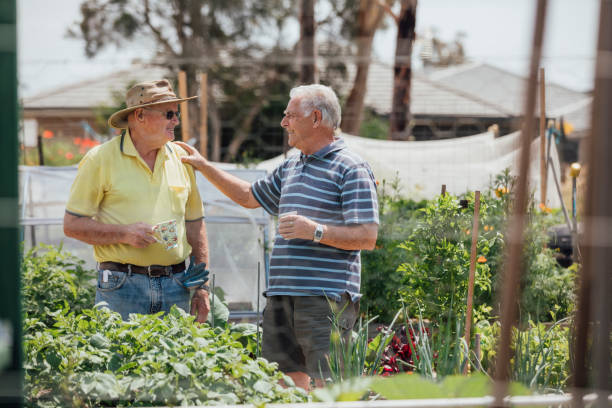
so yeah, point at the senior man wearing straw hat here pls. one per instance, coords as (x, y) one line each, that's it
(139, 206)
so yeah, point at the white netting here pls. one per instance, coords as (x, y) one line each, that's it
(463, 164)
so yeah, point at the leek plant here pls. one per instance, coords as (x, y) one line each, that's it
(355, 355)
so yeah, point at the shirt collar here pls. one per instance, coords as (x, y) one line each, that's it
(127, 146)
(337, 144)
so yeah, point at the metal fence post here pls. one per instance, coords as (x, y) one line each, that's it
(10, 310)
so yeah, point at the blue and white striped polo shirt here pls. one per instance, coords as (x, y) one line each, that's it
(334, 187)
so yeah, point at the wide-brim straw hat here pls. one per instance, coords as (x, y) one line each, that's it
(143, 95)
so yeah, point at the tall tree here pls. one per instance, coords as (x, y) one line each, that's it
(307, 57)
(402, 71)
(215, 36)
(369, 18)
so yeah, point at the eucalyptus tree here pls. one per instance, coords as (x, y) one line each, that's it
(240, 45)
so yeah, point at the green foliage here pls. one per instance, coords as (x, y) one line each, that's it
(442, 351)
(407, 386)
(437, 253)
(78, 356)
(379, 277)
(374, 126)
(357, 355)
(54, 279)
(436, 258)
(95, 358)
(541, 353)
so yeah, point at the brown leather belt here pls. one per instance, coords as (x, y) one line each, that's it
(151, 270)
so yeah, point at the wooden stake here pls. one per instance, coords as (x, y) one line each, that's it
(477, 351)
(595, 282)
(204, 114)
(443, 191)
(185, 132)
(543, 178)
(513, 253)
(470, 296)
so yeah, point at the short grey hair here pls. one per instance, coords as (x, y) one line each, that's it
(319, 97)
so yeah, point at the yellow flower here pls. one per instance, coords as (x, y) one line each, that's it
(500, 191)
(544, 208)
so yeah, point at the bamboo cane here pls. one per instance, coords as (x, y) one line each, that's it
(257, 319)
(212, 302)
(204, 114)
(514, 249)
(595, 283)
(470, 296)
(543, 180)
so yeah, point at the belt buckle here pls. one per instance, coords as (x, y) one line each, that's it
(163, 271)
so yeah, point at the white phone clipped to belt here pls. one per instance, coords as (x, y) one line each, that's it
(105, 274)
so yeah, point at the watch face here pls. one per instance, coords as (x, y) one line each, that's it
(318, 233)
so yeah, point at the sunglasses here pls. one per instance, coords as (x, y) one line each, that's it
(169, 114)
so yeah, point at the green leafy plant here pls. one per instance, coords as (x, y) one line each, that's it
(357, 355)
(541, 353)
(379, 275)
(407, 386)
(94, 358)
(442, 351)
(54, 279)
(437, 259)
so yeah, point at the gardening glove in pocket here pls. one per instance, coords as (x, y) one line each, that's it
(196, 275)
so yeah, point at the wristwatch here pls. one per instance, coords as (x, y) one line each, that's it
(318, 234)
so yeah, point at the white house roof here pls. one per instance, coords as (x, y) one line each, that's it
(94, 92)
(505, 89)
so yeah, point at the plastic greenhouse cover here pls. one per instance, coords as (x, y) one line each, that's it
(237, 236)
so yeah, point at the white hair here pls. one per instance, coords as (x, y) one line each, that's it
(319, 97)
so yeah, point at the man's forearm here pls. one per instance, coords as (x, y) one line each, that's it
(235, 188)
(198, 239)
(91, 231)
(352, 237)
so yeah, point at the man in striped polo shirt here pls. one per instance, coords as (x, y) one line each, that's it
(326, 201)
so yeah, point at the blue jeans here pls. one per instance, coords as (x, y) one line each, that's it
(128, 293)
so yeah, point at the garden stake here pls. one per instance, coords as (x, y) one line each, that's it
(212, 302)
(203, 114)
(443, 191)
(543, 180)
(515, 237)
(477, 351)
(574, 173)
(257, 321)
(595, 282)
(470, 296)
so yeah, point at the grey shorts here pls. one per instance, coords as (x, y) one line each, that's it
(296, 331)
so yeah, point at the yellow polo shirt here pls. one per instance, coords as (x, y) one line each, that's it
(115, 186)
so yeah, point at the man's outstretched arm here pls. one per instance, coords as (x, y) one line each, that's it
(235, 188)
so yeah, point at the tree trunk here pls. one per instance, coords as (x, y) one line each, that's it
(242, 133)
(400, 107)
(368, 19)
(307, 48)
(215, 128)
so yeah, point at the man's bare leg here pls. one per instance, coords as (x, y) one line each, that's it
(300, 379)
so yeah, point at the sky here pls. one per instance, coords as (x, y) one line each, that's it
(498, 32)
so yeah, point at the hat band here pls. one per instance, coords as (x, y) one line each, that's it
(163, 99)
